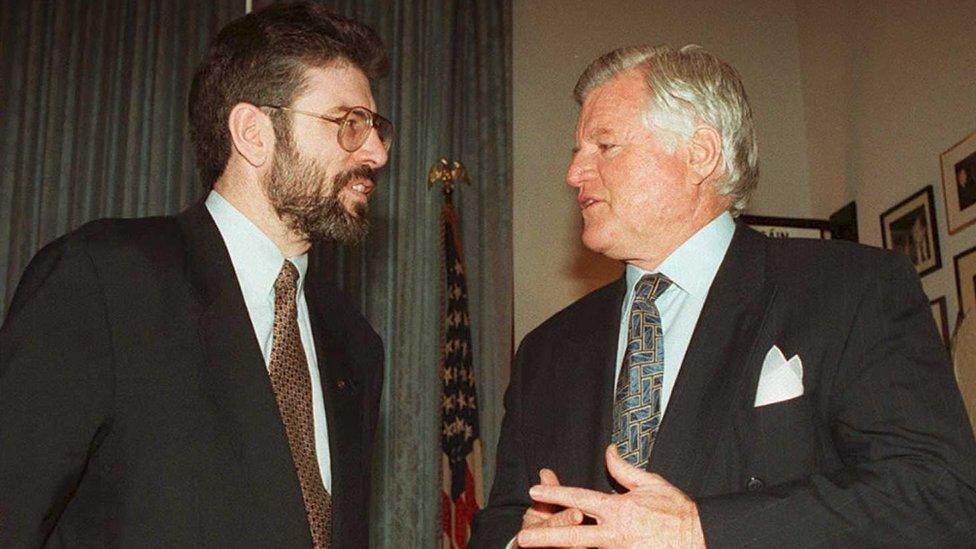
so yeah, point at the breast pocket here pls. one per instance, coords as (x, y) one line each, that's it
(787, 440)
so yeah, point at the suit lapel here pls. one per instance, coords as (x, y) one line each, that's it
(595, 347)
(235, 378)
(341, 389)
(721, 347)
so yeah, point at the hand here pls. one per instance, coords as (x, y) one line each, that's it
(653, 513)
(545, 515)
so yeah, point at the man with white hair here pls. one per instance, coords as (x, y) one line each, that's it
(729, 389)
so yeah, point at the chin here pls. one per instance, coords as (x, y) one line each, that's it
(595, 241)
(355, 209)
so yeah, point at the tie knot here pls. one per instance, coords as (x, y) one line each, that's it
(287, 278)
(651, 286)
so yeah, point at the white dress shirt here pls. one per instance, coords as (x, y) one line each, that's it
(257, 261)
(692, 269)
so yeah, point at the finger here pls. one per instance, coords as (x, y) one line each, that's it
(566, 517)
(548, 477)
(565, 536)
(536, 514)
(624, 473)
(533, 517)
(590, 502)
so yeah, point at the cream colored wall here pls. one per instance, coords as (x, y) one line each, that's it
(554, 40)
(886, 91)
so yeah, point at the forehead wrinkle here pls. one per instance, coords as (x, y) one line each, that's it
(339, 87)
(611, 109)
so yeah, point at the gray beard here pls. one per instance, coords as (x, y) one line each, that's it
(294, 188)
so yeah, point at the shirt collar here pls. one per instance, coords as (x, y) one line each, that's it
(256, 258)
(693, 266)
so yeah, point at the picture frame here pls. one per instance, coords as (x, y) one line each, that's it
(965, 265)
(938, 306)
(843, 223)
(789, 227)
(959, 183)
(910, 227)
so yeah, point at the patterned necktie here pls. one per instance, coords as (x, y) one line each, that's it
(293, 391)
(637, 404)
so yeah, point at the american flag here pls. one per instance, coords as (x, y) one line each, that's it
(461, 458)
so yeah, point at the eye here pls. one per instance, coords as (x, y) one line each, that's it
(606, 147)
(355, 123)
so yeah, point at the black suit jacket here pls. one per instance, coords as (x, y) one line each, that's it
(136, 409)
(878, 450)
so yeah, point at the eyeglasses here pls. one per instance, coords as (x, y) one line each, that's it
(354, 126)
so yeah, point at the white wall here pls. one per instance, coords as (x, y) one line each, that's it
(886, 91)
(554, 40)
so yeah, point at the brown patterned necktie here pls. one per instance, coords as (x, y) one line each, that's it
(293, 391)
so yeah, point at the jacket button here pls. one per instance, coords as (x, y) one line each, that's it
(341, 385)
(755, 484)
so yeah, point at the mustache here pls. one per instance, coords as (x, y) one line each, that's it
(359, 172)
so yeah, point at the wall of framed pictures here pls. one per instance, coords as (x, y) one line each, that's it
(891, 124)
(912, 227)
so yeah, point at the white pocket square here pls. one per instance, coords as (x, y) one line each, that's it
(780, 379)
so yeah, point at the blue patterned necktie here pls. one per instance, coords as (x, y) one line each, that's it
(637, 404)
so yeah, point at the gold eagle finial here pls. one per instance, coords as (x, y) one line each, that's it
(447, 173)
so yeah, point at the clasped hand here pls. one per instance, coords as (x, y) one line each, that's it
(651, 513)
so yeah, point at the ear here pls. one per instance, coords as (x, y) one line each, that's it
(705, 153)
(252, 134)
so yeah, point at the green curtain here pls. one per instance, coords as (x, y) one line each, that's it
(449, 94)
(92, 116)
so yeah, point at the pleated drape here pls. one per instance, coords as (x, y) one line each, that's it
(92, 117)
(449, 93)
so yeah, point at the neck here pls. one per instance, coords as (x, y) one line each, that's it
(247, 195)
(651, 259)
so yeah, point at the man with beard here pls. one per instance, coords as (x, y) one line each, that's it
(190, 381)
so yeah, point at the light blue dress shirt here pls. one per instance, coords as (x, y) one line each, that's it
(691, 268)
(257, 261)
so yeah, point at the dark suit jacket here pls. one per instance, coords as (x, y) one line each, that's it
(878, 450)
(136, 409)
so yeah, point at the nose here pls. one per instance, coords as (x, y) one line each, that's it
(373, 153)
(577, 171)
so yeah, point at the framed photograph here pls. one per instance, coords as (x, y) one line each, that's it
(939, 314)
(789, 227)
(965, 263)
(959, 183)
(843, 223)
(909, 227)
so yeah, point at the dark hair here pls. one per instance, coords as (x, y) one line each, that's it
(262, 59)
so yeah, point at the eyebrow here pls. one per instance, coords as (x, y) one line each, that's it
(600, 132)
(339, 110)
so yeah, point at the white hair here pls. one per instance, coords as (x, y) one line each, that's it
(685, 86)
